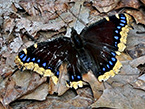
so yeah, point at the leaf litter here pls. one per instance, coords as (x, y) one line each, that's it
(125, 90)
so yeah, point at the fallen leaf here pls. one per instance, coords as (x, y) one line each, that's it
(105, 5)
(121, 97)
(139, 83)
(16, 44)
(129, 3)
(20, 84)
(39, 93)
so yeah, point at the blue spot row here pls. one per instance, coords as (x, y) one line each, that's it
(25, 58)
(121, 24)
(108, 65)
(73, 78)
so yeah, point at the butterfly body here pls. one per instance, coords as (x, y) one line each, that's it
(95, 49)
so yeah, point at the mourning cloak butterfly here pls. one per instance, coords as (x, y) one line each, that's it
(95, 49)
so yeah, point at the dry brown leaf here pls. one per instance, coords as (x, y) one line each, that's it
(139, 83)
(136, 41)
(9, 24)
(38, 94)
(105, 5)
(41, 9)
(121, 98)
(138, 15)
(139, 61)
(61, 86)
(19, 84)
(129, 3)
(60, 102)
(127, 75)
(16, 44)
(5, 69)
(85, 92)
(32, 27)
(97, 88)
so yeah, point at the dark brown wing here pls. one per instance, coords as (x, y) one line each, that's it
(45, 58)
(103, 40)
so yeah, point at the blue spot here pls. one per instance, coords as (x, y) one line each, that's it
(38, 60)
(116, 44)
(113, 59)
(72, 77)
(116, 37)
(108, 66)
(116, 31)
(49, 68)
(110, 62)
(123, 18)
(28, 59)
(78, 77)
(44, 64)
(24, 58)
(122, 15)
(121, 24)
(33, 59)
(114, 54)
(119, 27)
(100, 73)
(21, 56)
(103, 69)
(57, 73)
(123, 21)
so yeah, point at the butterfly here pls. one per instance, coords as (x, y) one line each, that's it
(94, 49)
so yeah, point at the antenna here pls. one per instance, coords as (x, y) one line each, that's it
(78, 19)
(62, 19)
